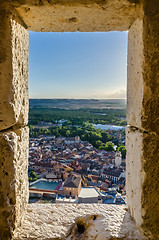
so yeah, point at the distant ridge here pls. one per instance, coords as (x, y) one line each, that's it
(77, 103)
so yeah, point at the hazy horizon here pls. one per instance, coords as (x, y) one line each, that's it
(84, 98)
(78, 65)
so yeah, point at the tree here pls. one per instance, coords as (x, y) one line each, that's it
(98, 143)
(109, 146)
(46, 131)
(122, 149)
(105, 136)
(67, 133)
(95, 136)
(33, 176)
(30, 179)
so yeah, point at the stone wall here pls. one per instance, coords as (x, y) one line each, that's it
(13, 72)
(142, 118)
(13, 118)
(141, 19)
(151, 118)
(78, 221)
(13, 179)
(77, 15)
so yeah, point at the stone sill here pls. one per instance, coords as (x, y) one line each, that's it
(59, 221)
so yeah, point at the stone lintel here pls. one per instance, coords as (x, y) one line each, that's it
(83, 16)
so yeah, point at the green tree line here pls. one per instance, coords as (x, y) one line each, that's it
(78, 116)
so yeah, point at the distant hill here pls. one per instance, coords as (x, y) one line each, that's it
(77, 103)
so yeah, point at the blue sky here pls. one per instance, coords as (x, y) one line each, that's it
(77, 65)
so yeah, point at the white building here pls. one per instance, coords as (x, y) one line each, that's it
(88, 195)
(72, 140)
(118, 159)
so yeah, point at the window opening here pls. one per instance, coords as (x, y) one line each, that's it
(77, 117)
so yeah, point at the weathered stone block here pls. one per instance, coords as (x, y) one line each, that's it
(143, 68)
(13, 179)
(134, 173)
(13, 72)
(78, 221)
(135, 84)
(151, 185)
(78, 15)
(142, 179)
(151, 66)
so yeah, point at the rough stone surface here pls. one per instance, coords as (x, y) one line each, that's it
(142, 179)
(84, 16)
(143, 118)
(135, 84)
(143, 69)
(13, 179)
(151, 66)
(101, 222)
(134, 173)
(13, 72)
(151, 185)
(142, 18)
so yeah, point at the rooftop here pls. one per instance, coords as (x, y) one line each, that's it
(72, 181)
(88, 193)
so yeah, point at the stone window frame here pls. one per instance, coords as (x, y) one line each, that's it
(141, 19)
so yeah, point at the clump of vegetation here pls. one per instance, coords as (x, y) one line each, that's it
(122, 149)
(32, 176)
